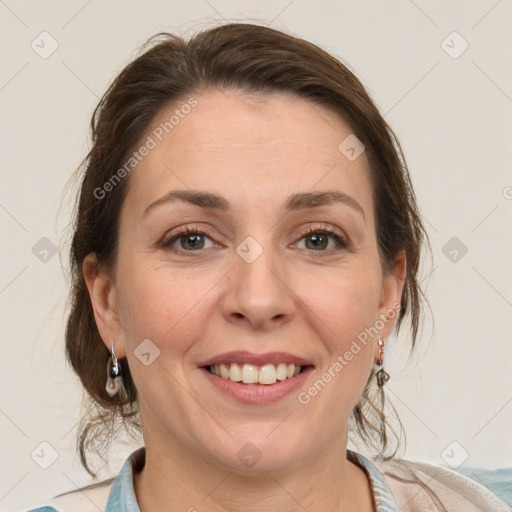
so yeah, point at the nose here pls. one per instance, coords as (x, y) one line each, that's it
(259, 293)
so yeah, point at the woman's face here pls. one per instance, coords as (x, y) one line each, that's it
(281, 267)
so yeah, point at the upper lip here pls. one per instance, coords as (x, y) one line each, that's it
(243, 357)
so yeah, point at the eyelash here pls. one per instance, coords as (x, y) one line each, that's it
(323, 230)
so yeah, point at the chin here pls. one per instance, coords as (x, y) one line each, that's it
(260, 450)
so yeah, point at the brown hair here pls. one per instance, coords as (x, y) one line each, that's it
(252, 59)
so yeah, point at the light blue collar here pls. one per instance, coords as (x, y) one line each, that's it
(384, 501)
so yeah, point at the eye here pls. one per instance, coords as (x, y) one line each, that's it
(318, 239)
(188, 240)
(324, 239)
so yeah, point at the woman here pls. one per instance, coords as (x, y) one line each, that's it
(246, 241)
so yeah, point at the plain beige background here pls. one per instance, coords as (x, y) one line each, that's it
(451, 107)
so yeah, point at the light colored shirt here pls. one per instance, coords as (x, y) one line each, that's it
(396, 486)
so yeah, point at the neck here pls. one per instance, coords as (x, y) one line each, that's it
(176, 479)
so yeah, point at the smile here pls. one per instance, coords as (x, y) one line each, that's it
(256, 378)
(251, 374)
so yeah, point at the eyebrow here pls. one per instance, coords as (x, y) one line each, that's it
(295, 202)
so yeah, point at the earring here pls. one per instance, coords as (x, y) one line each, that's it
(382, 375)
(114, 377)
(382, 378)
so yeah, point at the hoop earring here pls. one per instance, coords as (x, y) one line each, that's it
(114, 377)
(382, 375)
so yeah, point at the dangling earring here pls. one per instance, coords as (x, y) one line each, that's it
(114, 377)
(382, 378)
(382, 375)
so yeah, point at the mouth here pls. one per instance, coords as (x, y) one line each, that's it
(254, 378)
(267, 374)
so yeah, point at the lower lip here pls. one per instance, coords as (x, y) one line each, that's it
(258, 393)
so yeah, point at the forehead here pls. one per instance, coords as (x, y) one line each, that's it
(248, 144)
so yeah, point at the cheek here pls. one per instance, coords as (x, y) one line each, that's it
(162, 306)
(346, 300)
(164, 310)
(345, 311)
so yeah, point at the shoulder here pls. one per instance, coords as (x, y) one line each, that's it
(419, 486)
(92, 498)
(43, 509)
(115, 492)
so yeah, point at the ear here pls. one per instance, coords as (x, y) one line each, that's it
(103, 295)
(392, 287)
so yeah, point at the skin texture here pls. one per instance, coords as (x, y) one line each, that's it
(311, 302)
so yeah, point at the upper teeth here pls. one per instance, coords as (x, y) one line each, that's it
(252, 374)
